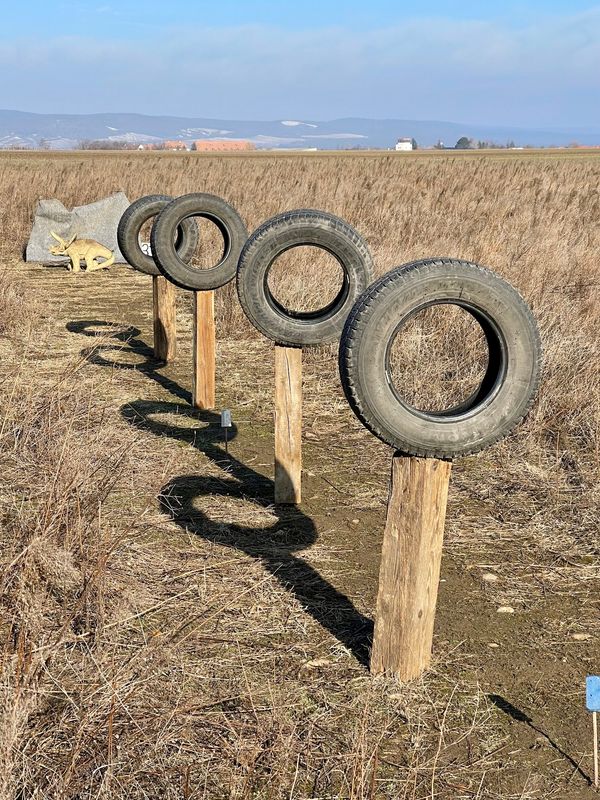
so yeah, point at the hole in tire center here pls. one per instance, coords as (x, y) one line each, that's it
(438, 358)
(226, 512)
(120, 356)
(177, 422)
(305, 279)
(144, 235)
(211, 247)
(110, 330)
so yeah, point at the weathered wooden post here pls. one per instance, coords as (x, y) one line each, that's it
(204, 345)
(138, 254)
(292, 330)
(202, 282)
(164, 317)
(288, 424)
(426, 441)
(410, 566)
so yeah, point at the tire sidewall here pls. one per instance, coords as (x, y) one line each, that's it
(363, 360)
(174, 215)
(275, 237)
(131, 224)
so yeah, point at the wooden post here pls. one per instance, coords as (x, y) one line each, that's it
(165, 332)
(203, 395)
(288, 424)
(410, 566)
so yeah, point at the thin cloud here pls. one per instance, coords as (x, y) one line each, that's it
(545, 73)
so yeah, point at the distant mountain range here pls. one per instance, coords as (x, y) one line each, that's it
(66, 131)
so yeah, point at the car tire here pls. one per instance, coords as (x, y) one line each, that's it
(131, 223)
(272, 239)
(182, 210)
(507, 390)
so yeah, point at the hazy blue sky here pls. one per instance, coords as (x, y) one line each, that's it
(534, 63)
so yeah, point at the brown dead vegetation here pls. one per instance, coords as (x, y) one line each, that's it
(148, 657)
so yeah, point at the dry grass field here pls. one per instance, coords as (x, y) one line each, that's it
(166, 631)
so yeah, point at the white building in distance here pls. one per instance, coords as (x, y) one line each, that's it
(404, 144)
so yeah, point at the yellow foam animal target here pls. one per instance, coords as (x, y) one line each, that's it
(86, 250)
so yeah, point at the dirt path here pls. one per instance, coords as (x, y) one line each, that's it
(312, 571)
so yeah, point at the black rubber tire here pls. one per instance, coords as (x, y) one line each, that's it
(131, 223)
(175, 268)
(507, 391)
(272, 239)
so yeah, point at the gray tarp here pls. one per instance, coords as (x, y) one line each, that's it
(96, 221)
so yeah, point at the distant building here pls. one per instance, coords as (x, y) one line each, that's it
(175, 145)
(222, 145)
(404, 144)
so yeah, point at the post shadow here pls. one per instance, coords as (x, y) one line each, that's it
(128, 335)
(275, 546)
(520, 716)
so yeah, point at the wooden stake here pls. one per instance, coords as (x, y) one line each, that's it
(165, 332)
(410, 566)
(595, 727)
(203, 395)
(288, 424)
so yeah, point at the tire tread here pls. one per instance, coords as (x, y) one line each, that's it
(355, 322)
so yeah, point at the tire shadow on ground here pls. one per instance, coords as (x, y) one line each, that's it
(128, 343)
(275, 546)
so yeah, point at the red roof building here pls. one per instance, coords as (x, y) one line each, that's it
(169, 145)
(222, 145)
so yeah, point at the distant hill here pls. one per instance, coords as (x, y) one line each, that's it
(65, 131)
